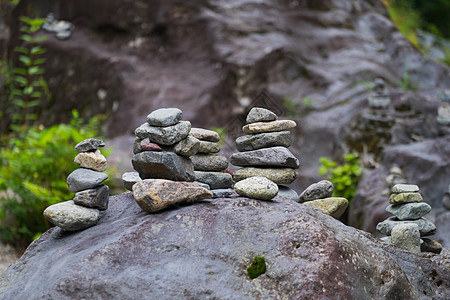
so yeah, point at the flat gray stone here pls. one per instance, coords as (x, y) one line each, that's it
(406, 236)
(203, 185)
(164, 165)
(277, 175)
(71, 217)
(164, 135)
(259, 114)
(83, 179)
(93, 198)
(267, 157)
(164, 117)
(129, 179)
(205, 134)
(257, 188)
(208, 162)
(259, 127)
(409, 211)
(187, 147)
(225, 193)
(286, 192)
(263, 140)
(405, 198)
(215, 180)
(89, 145)
(319, 190)
(404, 188)
(208, 147)
(137, 145)
(425, 227)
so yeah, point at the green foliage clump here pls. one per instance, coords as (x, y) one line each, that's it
(223, 134)
(345, 177)
(257, 267)
(34, 164)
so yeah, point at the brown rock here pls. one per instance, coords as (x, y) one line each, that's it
(205, 135)
(92, 160)
(156, 194)
(147, 146)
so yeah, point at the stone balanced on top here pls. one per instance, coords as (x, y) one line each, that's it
(90, 194)
(162, 150)
(208, 165)
(264, 150)
(408, 225)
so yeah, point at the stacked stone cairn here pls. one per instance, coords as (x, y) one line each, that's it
(91, 195)
(379, 97)
(408, 227)
(209, 166)
(319, 195)
(264, 155)
(165, 172)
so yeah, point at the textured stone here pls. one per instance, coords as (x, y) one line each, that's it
(164, 135)
(405, 198)
(215, 180)
(89, 145)
(286, 192)
(165, 165)
(83, 179)
(129, 179)
(225, 193)
(145, 145)
(319, 190)
(187, 147)
(259, 114)
(257, 187)
(430, 245)
(425, 227)
(263, 140)
(404, 188)
(205, 135)
(208, 147)
(206, 162)
(156, 194)
(332, 206)
(406, 236)
(164, 117)
(409, 211)
(93, 160)
(268, 157)
(71, 217)
(203, 185)
(94, 198)
(260, 127)
(277, 175)
(137, 145)
(180, 253)
(446, 201)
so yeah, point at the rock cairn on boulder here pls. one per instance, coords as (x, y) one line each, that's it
(209, 167)
(319, 195)
(91, 195)
(408, 225)
(263, 151)
(162, 148)
(379, 97)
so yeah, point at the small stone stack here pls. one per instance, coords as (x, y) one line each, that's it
(379, 98)
(208, 165)
(162, 148)
(264, 149)
(408, 226)
(91, 195)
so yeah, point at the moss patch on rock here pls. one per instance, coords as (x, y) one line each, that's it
(257, 267)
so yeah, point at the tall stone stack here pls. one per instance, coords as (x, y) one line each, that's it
(162, 148)
(208, 165)
(91, 195)
(263, 151)
(408, 227)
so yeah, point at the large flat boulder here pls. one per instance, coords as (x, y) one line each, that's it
(203, 251)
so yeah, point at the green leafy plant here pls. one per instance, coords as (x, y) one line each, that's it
(223, 133)
(257, 267)
(344, 176)
(34, 164)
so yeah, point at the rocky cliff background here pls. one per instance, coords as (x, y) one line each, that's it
(312, 61)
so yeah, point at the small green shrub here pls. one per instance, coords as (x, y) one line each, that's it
(223, 133)
(34, 164)
(344, 176)
(257, 267)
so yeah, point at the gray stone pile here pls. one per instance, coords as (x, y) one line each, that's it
(379, 98)
(263, 151)
(408, 227)
(209, 166)
(91, 195)
(162, 148)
